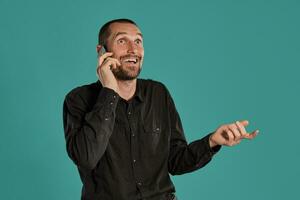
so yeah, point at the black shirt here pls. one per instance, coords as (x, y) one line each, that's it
(125, 150)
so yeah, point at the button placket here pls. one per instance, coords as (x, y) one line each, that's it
(132, 124)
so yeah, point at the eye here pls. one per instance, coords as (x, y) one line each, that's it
(138, 41)
(121, 41)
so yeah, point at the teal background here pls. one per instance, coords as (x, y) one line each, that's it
(221, 60)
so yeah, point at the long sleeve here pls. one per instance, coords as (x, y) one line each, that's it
(87, 131)
(184, 157)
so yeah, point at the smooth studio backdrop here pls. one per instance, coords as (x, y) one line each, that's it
(221, 60)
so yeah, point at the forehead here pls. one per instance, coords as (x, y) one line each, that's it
(125, 28)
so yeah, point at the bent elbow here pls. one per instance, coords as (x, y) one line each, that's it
(90, 165)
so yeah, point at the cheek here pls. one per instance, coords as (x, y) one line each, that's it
(118, 49)
(142, 55)
(118, 52)
(142, 60)
(141, 50)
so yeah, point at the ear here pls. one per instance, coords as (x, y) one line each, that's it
(98, 47)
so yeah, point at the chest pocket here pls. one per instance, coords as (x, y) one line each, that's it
(152, 135)
(151, 138)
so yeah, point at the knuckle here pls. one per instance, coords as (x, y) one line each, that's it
(234, 126)
(221, 127)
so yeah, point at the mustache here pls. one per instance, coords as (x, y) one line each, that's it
(130, 56)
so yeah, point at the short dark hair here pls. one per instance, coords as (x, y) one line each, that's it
(105, 32)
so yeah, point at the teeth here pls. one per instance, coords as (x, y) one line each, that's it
(131, 60)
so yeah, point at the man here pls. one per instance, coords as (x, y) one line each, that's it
(124, 133)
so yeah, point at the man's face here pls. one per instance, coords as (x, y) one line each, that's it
(126, 43)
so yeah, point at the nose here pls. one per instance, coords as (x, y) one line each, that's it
(131, 47)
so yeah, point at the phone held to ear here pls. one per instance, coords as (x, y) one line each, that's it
(101, 51)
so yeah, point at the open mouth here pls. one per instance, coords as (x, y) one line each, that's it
(131, 60)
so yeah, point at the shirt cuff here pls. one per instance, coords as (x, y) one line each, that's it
(107, 98)
(212, 150)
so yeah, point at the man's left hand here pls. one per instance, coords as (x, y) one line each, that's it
(231, 134)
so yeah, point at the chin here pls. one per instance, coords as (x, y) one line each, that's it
(127, 75)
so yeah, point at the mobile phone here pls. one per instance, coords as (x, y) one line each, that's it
(101, 51)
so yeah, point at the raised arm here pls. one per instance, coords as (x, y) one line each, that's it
(87, 132)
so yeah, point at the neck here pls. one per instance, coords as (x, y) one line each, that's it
(127, 88)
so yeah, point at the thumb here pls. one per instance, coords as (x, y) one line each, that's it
(244, 122)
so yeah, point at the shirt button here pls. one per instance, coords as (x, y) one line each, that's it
(133, 135)
(111, 103)
(129, 113)
(139, 183)
(114, 96)
(106, 118)
(134, 160)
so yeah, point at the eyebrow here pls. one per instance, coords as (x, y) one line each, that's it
(121, 33)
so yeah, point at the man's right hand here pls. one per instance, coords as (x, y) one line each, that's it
(106, 64)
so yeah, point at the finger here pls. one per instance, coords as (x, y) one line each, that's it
(236, 142)
(104, 67)
(109, 63)
(234, 129)
(111, 60)
(244, 122)
(241, 129)
(113, 65)
(230, 137)
(103, 57)
(115, 60)
(252, 135)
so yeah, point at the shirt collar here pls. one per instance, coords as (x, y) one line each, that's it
(138, 92)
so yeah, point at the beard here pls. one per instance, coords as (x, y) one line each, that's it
(128, 73)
